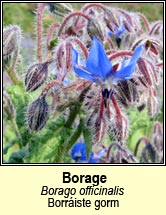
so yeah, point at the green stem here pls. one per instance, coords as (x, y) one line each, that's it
(69, 143)
(66, 145)
(14, 59)
(19, 63)
(56, 132)
(16, 131)
(11, 116)
(10, 144)
(13, 76)
(14, 125)
(73, 113)
(14, 79)
(75, 110)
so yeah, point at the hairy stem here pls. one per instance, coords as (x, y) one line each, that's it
(40, 31)
(73, 14)
(100, 6)
(80, 43)
(69, 143)
(14, 59)
(75, 110)
(144, 139)
(13, 76)
(14, 124)
(49, 38)
(50, 32)
(49, 86)
(120, 54)
(146, 23)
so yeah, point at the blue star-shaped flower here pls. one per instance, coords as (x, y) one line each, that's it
(78, 153)
(117, 33)
(98, 67)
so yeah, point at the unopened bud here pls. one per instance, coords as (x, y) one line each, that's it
(145, 71)
(148, 154)
(94, 29)
(37, 114)
(68, 48)
(91, 116)
(64, 56)
(111, 18)
(36, 76)
(8, 104)
(119, 127)
(60, 9)
(152, 103)
(11, 39)
(99, 130)
(158, 137)
(126, 92)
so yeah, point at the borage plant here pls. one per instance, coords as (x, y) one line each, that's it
(95, 71)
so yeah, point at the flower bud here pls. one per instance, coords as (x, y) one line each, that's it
(118, 127)
(152, 103)
(68, 48)
(90, 117)
(100, 129)
(158, 137)
(36, 76)
(93, 29)
(64, 56)
(122, 128)
(149, 154)
(111, 19)
(126, 92)
(146, 75)
(8, 105)
(37, 114)
(11, 39)
(60, 9)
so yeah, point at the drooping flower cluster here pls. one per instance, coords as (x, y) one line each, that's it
(99, 62)
(118, 77)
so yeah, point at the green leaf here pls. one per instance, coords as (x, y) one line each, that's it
(18, 157)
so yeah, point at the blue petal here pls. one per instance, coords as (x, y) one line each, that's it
(111, 34)
(83, 73)
(79, 70)
(128, 67)
(101, 152)
(120, 30)
(97, 62)
(74, 57)
(93, 159)
(66, 82)
(78, 152)
(136, 54)
(124, 73)
(117, 31)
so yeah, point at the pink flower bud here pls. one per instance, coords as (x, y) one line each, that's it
(64, 56)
